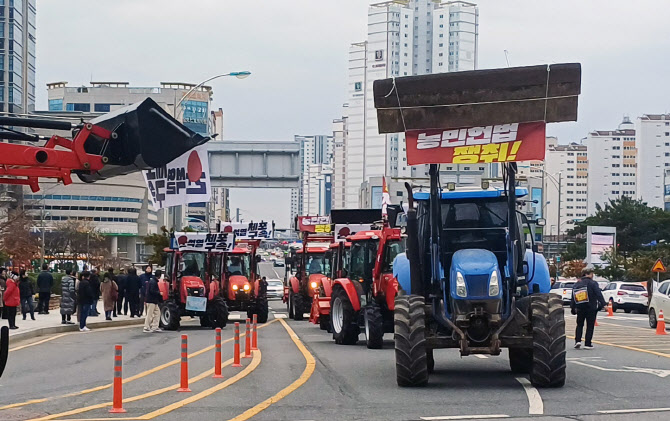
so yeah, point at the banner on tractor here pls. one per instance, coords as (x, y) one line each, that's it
(202, 241)
(316, 224)
(473, 145)
(184, 180)
(248, 231)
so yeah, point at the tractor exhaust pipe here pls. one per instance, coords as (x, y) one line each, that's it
(413, 254)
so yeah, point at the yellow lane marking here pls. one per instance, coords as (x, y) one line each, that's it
(630, 348)
(306, 374)
(38, 342)
(127, 380)
(133, 398)
(256, 360)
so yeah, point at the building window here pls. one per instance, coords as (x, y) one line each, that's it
(399, 193)
(77, 106)
(56, 104)
(102, 108)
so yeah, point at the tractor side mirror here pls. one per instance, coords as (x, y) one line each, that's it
(540, 222)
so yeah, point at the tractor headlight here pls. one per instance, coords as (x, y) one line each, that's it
(494, 285)
(314, 285)
(235, 287)
(247, 287)
(461, 290)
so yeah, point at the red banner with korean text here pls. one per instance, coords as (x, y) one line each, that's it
(472, 145)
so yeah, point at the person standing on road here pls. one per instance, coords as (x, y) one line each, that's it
(3, 285)
(110, 271)
(94, 280)
(109, 291)
(144, 282)
(45, 281)
(12, 300)
(86, 300)
(122, 301)
(26, 292)
(587, 300)
(68, 297)
(133, 292)
(153, 298)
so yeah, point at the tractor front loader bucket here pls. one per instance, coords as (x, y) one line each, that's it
(144, 136)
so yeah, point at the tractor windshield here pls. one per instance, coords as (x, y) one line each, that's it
(193, 264)
(393, 249)
(363, 255)
(317, 263)
(474, 214)
(239, 264)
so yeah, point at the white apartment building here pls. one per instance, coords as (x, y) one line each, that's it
(567, 167)
(339, 162)
(316, 161)
(653, 159)
(612, 165)
(405, 37)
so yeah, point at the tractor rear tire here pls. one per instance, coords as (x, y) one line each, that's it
(289, 305)
(262, 309)
(520, 360)
(411, 355)
(170, 316)
(298, 307)
(205, 322)
(218, 312)
(547, 319)
(374, 326)
(343, 319)
(324, 322)
(430, 361)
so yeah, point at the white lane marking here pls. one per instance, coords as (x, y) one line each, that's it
(628, 411)
(653, 371)
(280, 315)
(535, 404)
(483, 357)
(467, 417)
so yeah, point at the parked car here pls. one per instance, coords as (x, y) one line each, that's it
(628, 296)
(659, 301)
(564, 289)
(279, 263)
(275, 288)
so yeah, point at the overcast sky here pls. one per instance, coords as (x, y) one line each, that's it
(297, 53)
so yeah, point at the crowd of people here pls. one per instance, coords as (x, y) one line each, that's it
(81, 293)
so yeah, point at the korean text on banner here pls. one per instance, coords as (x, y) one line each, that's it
(184, 180)
(247, 231)
(472, 145)
(201, 241)
(316, 224)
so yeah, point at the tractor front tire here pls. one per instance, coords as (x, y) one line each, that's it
(520, 360)
(262, 309)
(411, 356)
(170, 316)
(289, 305)
(343, 319)
(218, 312)
(374, 326)
(298, 307)
(547, 319)
(324, 322)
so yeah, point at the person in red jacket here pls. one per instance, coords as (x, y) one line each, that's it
(12, 299)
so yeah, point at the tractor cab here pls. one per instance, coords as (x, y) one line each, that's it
(311, 267)
(337, 259)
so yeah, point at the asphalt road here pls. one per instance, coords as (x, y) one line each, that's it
(67, 377)
(268, 270)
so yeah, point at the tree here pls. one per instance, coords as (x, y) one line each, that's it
(159, 241)
(16, 241)
(572, 268)
(575, 250)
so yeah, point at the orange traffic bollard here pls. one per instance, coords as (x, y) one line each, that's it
(236, 350)
(184, 365)
(217, 355)
(117, 401)
(610, 311)
(254, 337)
(247, 341)
(660, 324)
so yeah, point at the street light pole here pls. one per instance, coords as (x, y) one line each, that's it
(239, 75)
(558, 217)
(43, 237)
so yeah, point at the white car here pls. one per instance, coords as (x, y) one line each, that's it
(564, 290)
(275, 288)
(626, 295)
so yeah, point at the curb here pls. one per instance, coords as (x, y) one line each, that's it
(72, 328)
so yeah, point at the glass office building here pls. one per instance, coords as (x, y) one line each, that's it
(17, 55)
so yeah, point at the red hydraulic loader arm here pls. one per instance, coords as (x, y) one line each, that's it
(133, 138)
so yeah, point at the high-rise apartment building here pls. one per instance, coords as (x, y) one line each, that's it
(339, 162)
(410, 37)
(612, 165)
(316, 161)
(653, 159)
(17, 55)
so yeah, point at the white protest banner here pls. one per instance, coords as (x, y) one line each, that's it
(184, 180)
(201, 241)
(248, 231)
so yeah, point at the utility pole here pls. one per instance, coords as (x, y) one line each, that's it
(42, 243)
(558, 214)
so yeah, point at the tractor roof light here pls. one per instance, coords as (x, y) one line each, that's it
(494, 285)
(461, 289)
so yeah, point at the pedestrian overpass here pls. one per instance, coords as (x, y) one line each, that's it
(254, 164)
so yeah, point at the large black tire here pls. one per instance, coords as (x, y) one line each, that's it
(324, 322)
(374, 326)
(205, 322)
(343, 319)
(430, 361)
(170, 315)
(520, 360)
(298, 307)
(652, 318)
(217, 312)
(548, 369)
(411, 359)
(289, 305)
(262, 309)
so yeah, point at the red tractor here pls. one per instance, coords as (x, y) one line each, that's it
(365, 298)
(193, 290)
(337, 257)
(241, 283)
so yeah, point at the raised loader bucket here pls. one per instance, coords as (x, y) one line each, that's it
(146, 137)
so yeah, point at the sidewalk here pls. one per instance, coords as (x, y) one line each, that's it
(45, 324)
